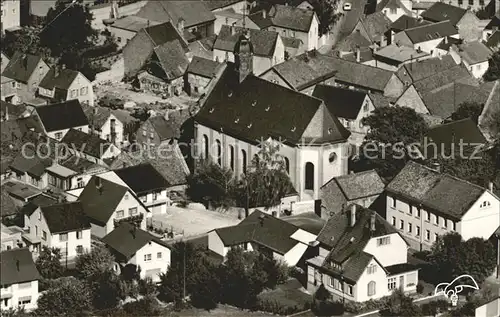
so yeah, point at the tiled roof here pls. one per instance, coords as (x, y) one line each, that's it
(379, 100)
(407, 22)
(441, 11)
(430, 32)
(376, 25)
(256, 109)
(125, 240)
(31, 163)
(71, 111)
(134, 177)
(352, 41)
(65, 217)
(132, 23)
(271, 232)
(442, 193)
(418, 70)
(443, 78)
(365, 55)
(495, 22)
(399, 53)
(18, 267)
(13, 111)
(172, 58)
(38, 201)
(21, 67)
(286, 17)
(264, 42)
(447, 42)
(364, 76)
(351, 18)
(474, 52)
(342, 102)
(219, 4)
(7, 205)
(203, 67)
(165, 129)
(292, 42)
(60, 79)
(99, 205)
(193, 12)
(97, 116)
(90, 144)
(494, 40)
(164, 33)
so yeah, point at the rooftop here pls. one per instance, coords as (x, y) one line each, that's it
(21, 190)
(132, 23)
(21, 67)
(65, 217)
(192, 12)
(441, 11)
(428, 32)
(203, 67)
(407, 22)
(399, 53)
(90, 144)
(17, 266)
(474, 52)
(421, 69)
(342, 102)
(71, 111)
(286, 17)
(59, 78)
(134, 177)
(264, 42)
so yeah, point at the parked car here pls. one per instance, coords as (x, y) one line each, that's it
(347, 6)
(111, 102)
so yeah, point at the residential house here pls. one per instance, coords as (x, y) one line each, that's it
(160, 130)
(402, 23)
(349, 106)
(200, 73)
(232, 17)
(374, 27)
(355, 47)
(203, 47)
(242, 111)
(69, 171)
(8, 206)
(426, 37)
(65, 84)
(4, 61)
(492, 26)
(444, 47)
(133, 246)
(268, 48)
(361, 188)
(110, 124)
(63, 226)
(487, 123)
(420, 6)
(273, 237)
(464, 20)
(420, 69)
(393, 56)
(125, 28)
(11, 237)
(89, 146)
(72, 112)
(238, 6)
(107, 203)
(11, 15)
(196, 20)
(423, 203)
(10, 112)
(152, 193)
(394, 9)
(30, 167)
(19, 280)
(361, 257)
(474, 55)
(25, 72)
(303, 72)
(290, 22)
(493, 41)
(490, 309)
(357, 12)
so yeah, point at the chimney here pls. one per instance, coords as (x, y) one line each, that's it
(261, 220)
(436, 167)
(24, 59)
(352, 218)
(233, 29)
(264, 14)
(445, 40)
(372, 222)
(490, 186)
(166, 115)
(133, 231)
(56, 71)
(17, 265)
(180, 26)
(63, 66)
(358, 54)
(98, 184)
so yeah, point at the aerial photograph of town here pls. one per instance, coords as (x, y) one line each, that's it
(232, 158)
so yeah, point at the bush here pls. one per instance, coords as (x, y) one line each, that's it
(322, 294)
(278, 308)
(435, 307)
(147, 306)
(422, 255)
(420, 288)
(328, 308)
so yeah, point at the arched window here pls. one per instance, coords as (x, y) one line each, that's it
(255, 159)
(219, 152)
(205, 146)
(371, 288)
(231, 157)
(244, 161)
(309, 176)
(287, 165)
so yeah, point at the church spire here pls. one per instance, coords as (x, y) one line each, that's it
(243, 55)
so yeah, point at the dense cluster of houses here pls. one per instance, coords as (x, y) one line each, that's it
(262, 73)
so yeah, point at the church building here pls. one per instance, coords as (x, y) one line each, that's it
(240, 111)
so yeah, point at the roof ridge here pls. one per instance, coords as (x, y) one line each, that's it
(428, 25)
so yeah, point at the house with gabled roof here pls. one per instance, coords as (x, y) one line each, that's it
(89, 146)
(19, 280)
(109, 124)
(361, 257)
(361, 188)
(394, 9)
(291, 22)
(263, 233)
(423, 203)
(474, 55)
(25, 72)
(72, 112)
(132, 246)
(200, 73)
(268, 47)
(63, 226)
(393, 56)
(162, 130)
(402, 23)
(66, 84)
(493, 41)
(4, 61)
(374, 27)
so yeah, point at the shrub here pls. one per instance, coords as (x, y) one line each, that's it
(147, 306)
(183, 203)
(328, 308)
(322, 294)
(435, 307)
(278, 308)
(422, 255)
(420, 288)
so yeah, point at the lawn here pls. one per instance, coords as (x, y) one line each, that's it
(220, 311)
(289, 294)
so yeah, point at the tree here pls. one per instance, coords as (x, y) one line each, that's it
(207, 293)
(94, 263)
(272, 271)
(49, 263)
(493, 72)
(452, 257)
(392, 140)
(24, 40)
(400, 305)
(211, 185)
(468, 110)
(71, 298)
(106, 290)
(326, 10)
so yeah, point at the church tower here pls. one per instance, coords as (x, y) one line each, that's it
(243, 56)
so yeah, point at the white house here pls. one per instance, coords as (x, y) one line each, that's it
(423, 203)
(19, 280)
(66, 84)
(11, 237)
(290, 22)
(107, 203)
(490, 309)
(394, 9)
(63, 226)
(11, 16)
(361, 257)
(131, 245)
(109, 124)
(287, 243)
(474, 55)
(56, 119)
(89, 146)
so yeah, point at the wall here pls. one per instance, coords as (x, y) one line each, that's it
(146, 134)
(128, 201)
(11, 14)
(380, 279)
(197, 83)
(77, 86)
(122, 36)
(481, 222)
(136, 53)
(478, 70)
(72, 243)
(216, 245)
(18, 291)
(411, 99)
(394, 87)
(105, 130)
(292, 257)
(36, 220)
(393, 15)
(272, 76)
(100, 12)
(116, 72)
(159, 205)
(390, 254)
(52, 134)
(161, 263)
(468, 27)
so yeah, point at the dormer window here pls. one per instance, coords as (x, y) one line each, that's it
(249, 126)
(293, 129)
(267, 109)
(230, 94)
(254, 103)
(330, 130)
(237, 120)
(485, 204)
(211, 110)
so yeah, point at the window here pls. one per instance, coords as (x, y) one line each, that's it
(58, 135)
(383, 241)
(309, 177)
(445, 224)
(427, 235)
(151, 135)
(74, 93)
(79, 234)
(158, 255)
(349, 290)
(205, 146)
(155, 196)
(372, 269)
(471, 2)
(219, 152)
(144, 132)
(39, 215)
(393, 203)
(436, 220)
(417, 229)
(485, 204)
(428, 216)
(34, 181)
(24, 285)
(244, 161)
(287, 165)
(394, 221)
(79, 249)
(418, 213)
(52, 180)
(119, 39)
(391, 283)
(436, 236)
(84, 91)
(332, 157)
(119, 213)
(231, 157)
(63, 237)
(401, 224)
(36, 231)
(371, 288)
(454, 225)
(14, 84)
(125, 197)
(132, 211)
(79, 181)
(44, 235)
(409, 227)
(365, 106)
(144, 198)
(337, 285)
(394, 10)
(24, 300)
(147, 257)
